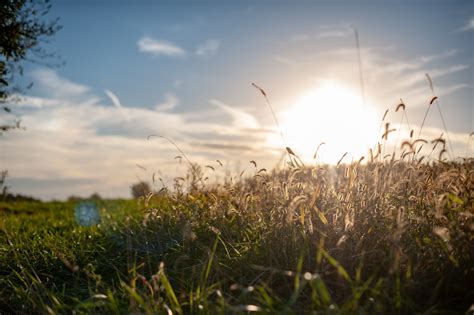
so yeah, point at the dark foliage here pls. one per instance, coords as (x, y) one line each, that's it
(140, 189)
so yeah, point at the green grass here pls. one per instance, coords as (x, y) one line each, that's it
(388, 238)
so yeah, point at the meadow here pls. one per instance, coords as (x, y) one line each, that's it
(389, 236)
(389, 232)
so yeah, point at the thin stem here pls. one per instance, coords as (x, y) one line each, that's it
(440, 113)
(274, 117)
(359, 60)
(445, 129)
(422, 124)
(406, 117)
(175, 145)
(398, 134)
(468, 149)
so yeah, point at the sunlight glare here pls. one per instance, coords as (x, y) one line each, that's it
(333, 114)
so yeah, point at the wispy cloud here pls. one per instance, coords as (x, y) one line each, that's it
(435, 57)
(115, 100)
(419, 96)
(469, 26)
(416, 77)
(208, 48)
(159, 47)
(388, 77)
(240, 118)
(343, 32)
(58, 87)
(170, 102)
(285, 60)
(89, 142)
(237, 148)
(325, 31)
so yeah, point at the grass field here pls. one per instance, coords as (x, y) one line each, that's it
(385, 228)
(389, 237)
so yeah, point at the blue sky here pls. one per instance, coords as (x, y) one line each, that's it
(182, 70)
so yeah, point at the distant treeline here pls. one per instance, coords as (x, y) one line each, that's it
(9, 197)
(16, 197)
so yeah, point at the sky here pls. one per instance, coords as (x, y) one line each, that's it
(183, 70)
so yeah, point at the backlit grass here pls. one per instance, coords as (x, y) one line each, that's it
(386, 237)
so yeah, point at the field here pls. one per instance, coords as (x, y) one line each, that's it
(238, 114)
(391, 236)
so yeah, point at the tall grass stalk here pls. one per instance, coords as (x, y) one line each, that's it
(440, 114)
(359, 62)
(288, 150)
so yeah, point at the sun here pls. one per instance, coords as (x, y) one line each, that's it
(331, 113)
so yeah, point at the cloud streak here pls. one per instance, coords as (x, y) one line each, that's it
(115, 100)
(239, 117)
(170, 102)
(159, 47)
(208, 48)
(469, 26)
(335, 33)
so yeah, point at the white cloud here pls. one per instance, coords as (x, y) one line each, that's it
(442, 55)
(115, 100)
(240, 118)
(416, 77)
(58, 87)
(159, 47)
(469, 26)
(335, 33)
(84, 146)
(171, 101)
(325, 31)
(285, 60)
(208, 48)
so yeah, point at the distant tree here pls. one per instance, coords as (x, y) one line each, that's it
(95, 196)
(8, 197)
(22, 31)
(140, 189)
(74, 198)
